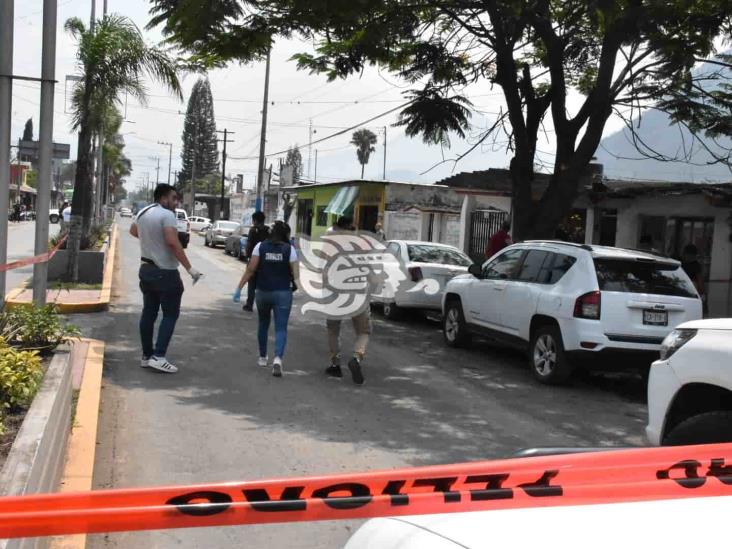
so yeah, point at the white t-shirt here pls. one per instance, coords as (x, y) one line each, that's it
(67, 214)
(293, 253)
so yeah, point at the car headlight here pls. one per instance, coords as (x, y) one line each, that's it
(674, 341)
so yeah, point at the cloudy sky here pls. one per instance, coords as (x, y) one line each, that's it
(296, 98)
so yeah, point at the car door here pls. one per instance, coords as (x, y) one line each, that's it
(486, 294)
(521, 293)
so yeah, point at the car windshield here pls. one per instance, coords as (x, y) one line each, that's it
(181, 215)
(643, 277)
(228, 225)
(422, 253)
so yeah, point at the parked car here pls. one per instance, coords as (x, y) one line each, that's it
(690, 386)
(54, 216)
(199, 224)
(423, 260)
(568, 304)
(125, 212)
(184, 227)
(218, 232)
(236, 242)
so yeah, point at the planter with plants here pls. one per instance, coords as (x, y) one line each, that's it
(91, 257)
(35, 397)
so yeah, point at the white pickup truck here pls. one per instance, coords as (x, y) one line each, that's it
(184, 227)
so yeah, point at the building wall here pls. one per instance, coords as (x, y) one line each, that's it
(472, 202)
(403, 225)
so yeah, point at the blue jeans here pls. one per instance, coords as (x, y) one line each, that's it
(278, 302)
(161, 288)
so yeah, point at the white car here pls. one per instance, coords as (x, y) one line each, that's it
(690, 387)
(218, 232)
(423, 260)
(125, 212)
(561, 302)
(199, 224)
(184, 227)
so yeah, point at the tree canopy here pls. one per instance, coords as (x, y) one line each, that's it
(200, 151)
(28, 130)
(562, 67)
(364, 140)
(294, 159)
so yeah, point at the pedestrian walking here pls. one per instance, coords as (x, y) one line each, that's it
(274, 263)
(499, 240)
(258, 233)
(379, 232)
(361, 326)
(156, 226)
(63, 222)
(66, 213)
(16, 212)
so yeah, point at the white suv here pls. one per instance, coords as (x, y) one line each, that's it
(562, 301)
(690, 387)
(184, 227)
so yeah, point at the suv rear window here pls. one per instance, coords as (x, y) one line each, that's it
(643, 277)
(422, 253)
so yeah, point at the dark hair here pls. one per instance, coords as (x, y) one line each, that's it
(280, 232)
(163, 189)
(258, 217)
(345, 223)
(506, 225)
(690, 249)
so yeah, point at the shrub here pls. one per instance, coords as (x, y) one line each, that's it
(38, 328)
(20, 376)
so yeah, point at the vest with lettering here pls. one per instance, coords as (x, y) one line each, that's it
(274, 266)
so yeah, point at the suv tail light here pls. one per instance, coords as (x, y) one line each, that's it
(588, 306)
(415, 273)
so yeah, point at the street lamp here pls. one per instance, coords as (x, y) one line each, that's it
(170, 156)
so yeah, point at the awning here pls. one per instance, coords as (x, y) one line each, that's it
(342, 200)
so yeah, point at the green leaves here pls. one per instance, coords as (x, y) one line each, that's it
(37, 328)
(434, 116)
(364, 140)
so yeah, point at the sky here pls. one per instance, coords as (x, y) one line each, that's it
(296, 99)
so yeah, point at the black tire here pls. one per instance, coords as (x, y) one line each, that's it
(547, 358)
(53, 219)
(392, 311)
(205, 242)
(706, 428)
(454, 327)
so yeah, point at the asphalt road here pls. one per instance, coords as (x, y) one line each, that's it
(222, 418)
(21, 239)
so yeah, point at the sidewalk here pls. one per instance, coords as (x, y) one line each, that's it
(69, 301)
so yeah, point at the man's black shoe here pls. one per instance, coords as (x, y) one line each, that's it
(355, 366)
(334, 371)
(248, 308)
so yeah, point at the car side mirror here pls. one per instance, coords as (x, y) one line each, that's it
(476, 270)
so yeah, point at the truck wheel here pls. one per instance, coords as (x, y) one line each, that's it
(454, 327)
(53, 219)
(548, 361)
(392, 311)
(707, 428)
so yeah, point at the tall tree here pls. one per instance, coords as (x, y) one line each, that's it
(28, 130)
(200, 144)
(113, 59)
(364, 140)
(563, 66)
(294, 159)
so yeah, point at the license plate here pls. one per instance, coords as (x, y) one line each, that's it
(655, 318)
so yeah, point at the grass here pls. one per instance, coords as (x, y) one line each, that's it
(60, 285)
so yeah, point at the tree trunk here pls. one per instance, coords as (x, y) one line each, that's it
(362, 168)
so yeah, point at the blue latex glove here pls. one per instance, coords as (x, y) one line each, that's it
(237, 295)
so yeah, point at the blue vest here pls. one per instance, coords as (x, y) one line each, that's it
(274, 266)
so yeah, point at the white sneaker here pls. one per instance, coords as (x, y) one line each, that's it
(145, 362)
(262, 361)
(161, 365)
(277, 367)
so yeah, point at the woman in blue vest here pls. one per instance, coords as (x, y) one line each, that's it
(275, 263)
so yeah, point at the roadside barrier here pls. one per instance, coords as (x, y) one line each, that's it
(42, 258)
(575, 479)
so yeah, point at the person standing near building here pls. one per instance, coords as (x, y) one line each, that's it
(156, 226)
(258, 233)
(274, 264)
(693, 268)
(379, 232)
(499, 240)
(64, 219)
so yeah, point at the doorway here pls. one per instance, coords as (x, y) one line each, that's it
(305, 217)
(368, 216)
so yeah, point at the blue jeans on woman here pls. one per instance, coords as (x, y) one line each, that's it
(278, 302)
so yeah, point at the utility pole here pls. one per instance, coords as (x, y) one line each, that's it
(157, 169)
(93, 18)
(225, 140)
(263, 137)
(310, 145)
(315, 179)
(170, 155)
(45, 146)
(384, 153)
(6, 111)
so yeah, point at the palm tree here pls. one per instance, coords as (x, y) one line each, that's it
(364, 140)
(113, 58)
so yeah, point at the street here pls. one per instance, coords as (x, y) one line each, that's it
(21, 238)
(221, 418)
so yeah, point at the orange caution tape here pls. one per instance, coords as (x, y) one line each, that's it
(42, 258)
(578, 479)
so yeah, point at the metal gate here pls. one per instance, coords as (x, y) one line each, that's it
(483, 225)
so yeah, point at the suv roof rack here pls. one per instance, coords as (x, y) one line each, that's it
(560, 242)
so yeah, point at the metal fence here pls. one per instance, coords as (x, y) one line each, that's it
(483, 225)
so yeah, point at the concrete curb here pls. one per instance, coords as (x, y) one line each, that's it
(35, 462)
(95, 306)
(79, 470)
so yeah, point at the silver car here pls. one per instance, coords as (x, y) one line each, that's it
(218, 232)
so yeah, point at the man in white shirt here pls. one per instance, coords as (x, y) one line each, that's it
(156, 227)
